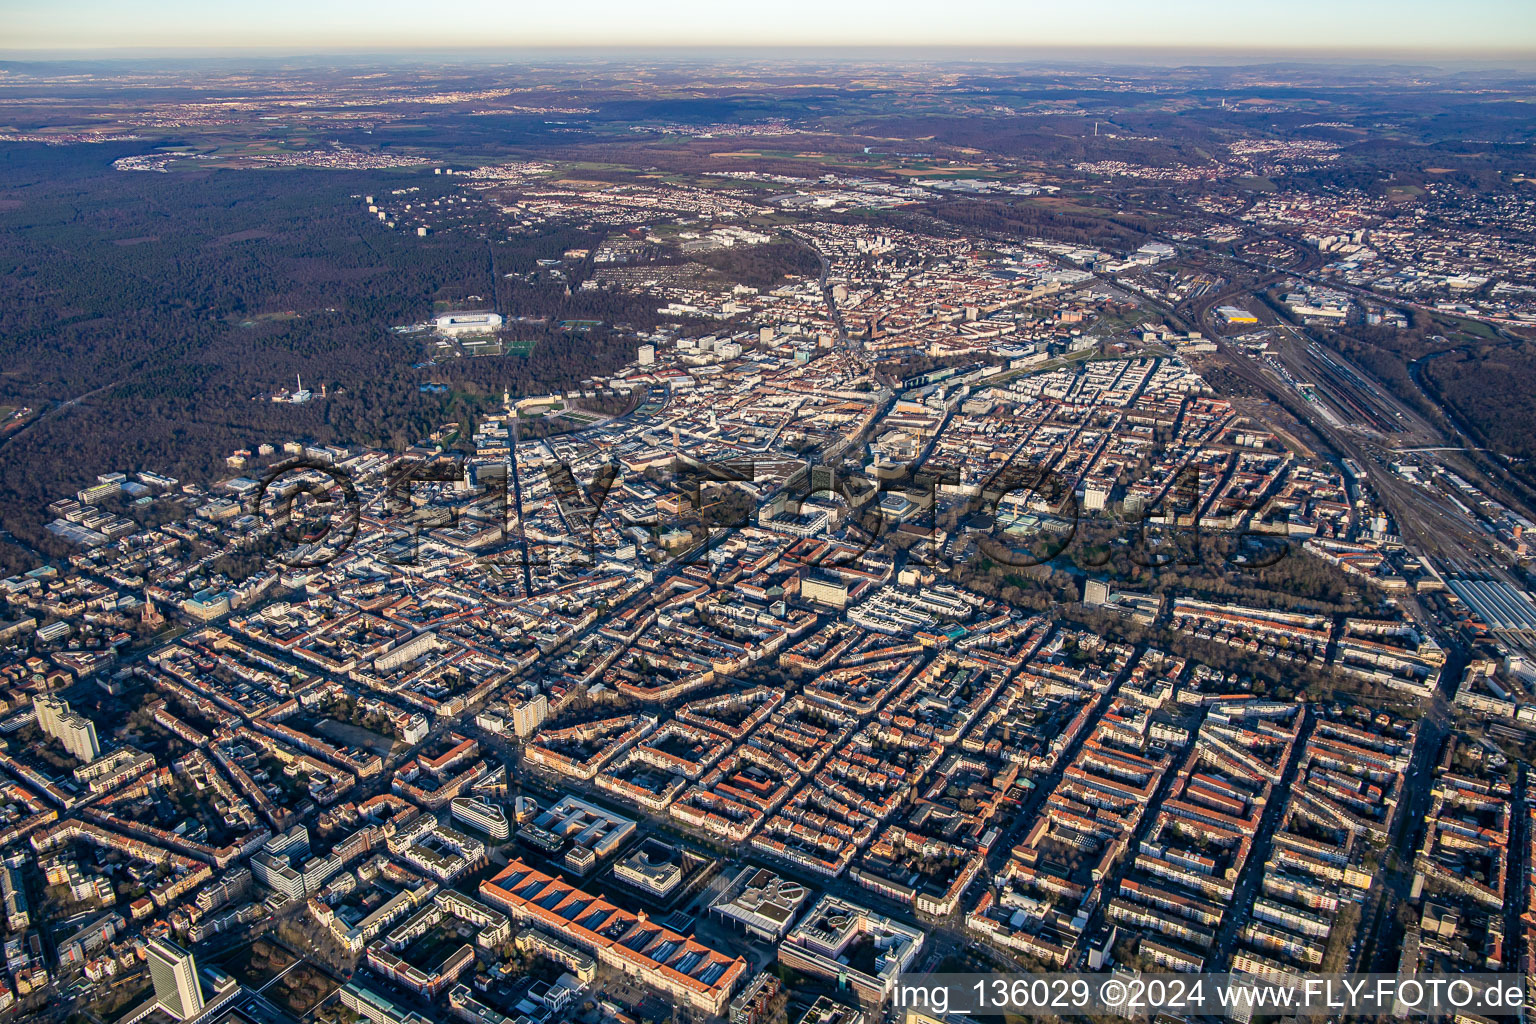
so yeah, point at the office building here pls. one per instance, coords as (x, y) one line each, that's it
(284, 864)
(761, 903)
(818, 946)
(13, 894)
(487, 817)
(825, 590)
(371, 1006)
(654, 867)
(580, 824)
(174, 974)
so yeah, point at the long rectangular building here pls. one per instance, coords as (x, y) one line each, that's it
(658, 957)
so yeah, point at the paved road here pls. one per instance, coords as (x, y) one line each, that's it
(1381, 936)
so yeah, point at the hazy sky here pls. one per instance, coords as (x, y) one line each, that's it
(309, 26)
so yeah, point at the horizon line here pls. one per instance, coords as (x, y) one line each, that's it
(85, 53)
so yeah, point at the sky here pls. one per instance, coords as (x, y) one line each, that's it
(326, 26)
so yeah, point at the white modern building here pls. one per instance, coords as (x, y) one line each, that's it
(75, 731)
(283, 864)
(529, 715)
(654, 867)
(761, 903)
(456, 325)
(487, 817)
(174, 974)
(818, 946)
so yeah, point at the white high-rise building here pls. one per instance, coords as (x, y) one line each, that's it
(647, 355)
(284, 864)
(529, 715)
(174, 974)
(75, 731)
